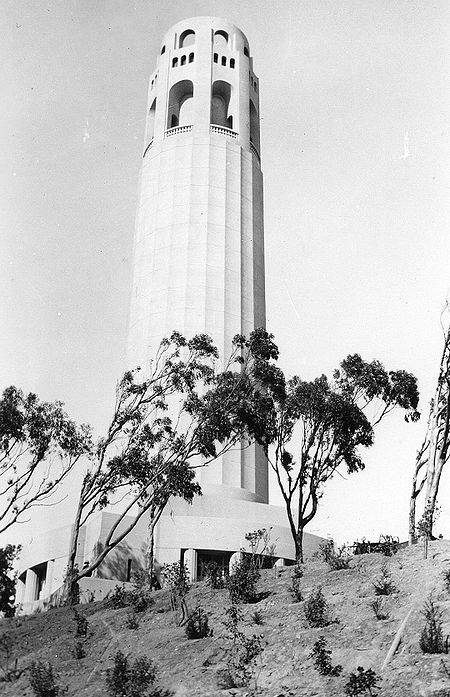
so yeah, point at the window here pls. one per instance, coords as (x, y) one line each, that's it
(224, 60)
(245, 51)
(232, 62)
(174, 62)
(163, 50)
(187, 38)
(183, 60)
(216, 57)
(129, 565)
(191, 58)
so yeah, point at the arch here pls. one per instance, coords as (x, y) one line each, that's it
(232, 62)
(246, 51)
(191, 58)
(183, 60)
(180, 104)
(220, 103)
(221, 38)
(163, 50)
(174, 62)
(187, 38)
(254, 125)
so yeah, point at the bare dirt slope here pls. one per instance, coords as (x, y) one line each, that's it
(191, 667)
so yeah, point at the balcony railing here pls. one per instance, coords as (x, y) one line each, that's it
(176, 130)
(223, 131)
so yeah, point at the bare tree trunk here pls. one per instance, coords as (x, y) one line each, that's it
(437, 443)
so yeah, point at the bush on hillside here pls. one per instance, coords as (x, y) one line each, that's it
(432, 637)
(43, 680)
(128, 679)
(384, 585)
(243, 580)
(322, 659)
(378, 609)
(336, 560)
(197, 625)
(242, 652)
(316, 609)
(363, 682)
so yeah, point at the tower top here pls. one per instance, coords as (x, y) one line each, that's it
(183, 32)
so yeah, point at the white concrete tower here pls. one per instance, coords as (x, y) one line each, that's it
(199, 243)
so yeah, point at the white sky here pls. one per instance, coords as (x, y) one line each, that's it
(357, 244)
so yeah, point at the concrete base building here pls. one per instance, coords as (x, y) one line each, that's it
(198, 268)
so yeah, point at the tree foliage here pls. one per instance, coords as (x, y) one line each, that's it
(317, 426)
(39, 446)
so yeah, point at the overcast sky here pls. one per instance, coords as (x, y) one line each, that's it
(355, 155)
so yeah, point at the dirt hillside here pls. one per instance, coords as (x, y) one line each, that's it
(284, 669)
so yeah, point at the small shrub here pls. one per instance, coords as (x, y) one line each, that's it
(8, 667)
(214, 575)
(384, 585)
(242, 652)
(257, 617)
(322, 659)
(316, 609)
(43, 680)
(295, 587)
(79, 650)
(242, 581)
(362, 682)
(261, 547)
(177, 579)
(389, 545)
(81, 622)
(140, 596)
(377, 607)
(432, 638)
(119, 597)
(132, 620)
(336, 560)
(197, 625)
(130, 680)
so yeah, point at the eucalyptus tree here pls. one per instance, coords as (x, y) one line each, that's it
(320, 425)
(179, 415)
(39, 447)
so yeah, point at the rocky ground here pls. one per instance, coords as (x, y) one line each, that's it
(284, 669)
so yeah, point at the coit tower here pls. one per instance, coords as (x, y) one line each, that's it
(199, 240)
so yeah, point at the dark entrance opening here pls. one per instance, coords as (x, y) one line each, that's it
(204, 556)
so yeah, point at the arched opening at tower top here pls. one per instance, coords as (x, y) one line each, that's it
(187, 38)
(220, 104)
(220, 39)
(179, 112)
